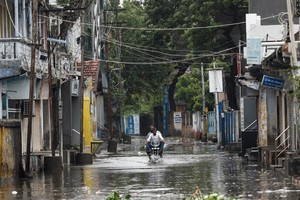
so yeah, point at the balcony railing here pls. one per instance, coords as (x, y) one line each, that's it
(13, 48)
(16, 51)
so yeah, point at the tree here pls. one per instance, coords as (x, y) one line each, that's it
(143, 83)
(190, 14)
(182, 45)
(189, 89)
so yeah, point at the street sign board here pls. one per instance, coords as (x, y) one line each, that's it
(132, 124)
(254, 51)
(215, 77)
(272, 82)
(177, 120)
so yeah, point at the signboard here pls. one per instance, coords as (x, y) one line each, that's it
(215, 80)
(177, 121)
(272, 82)
(75, 87)
(166, 111)
(254, 51)
(132, 125)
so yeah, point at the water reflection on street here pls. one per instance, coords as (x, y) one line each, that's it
(186, 164)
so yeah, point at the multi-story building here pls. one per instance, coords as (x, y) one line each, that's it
(268, 79)
(16, 36)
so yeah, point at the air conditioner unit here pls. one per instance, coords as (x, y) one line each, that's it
(25, 107)
(75, 87)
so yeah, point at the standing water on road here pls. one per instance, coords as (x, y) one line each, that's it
(185, 165)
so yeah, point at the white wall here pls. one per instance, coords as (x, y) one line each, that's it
(73, 47)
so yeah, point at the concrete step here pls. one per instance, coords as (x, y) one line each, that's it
(281, 161)
(233, 147)
(251, 155)
(273, 167)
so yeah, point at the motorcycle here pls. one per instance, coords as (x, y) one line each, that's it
(155, 151)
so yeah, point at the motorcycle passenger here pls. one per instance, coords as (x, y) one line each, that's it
(153, 136)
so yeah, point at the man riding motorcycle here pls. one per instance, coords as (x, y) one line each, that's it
(154, 135)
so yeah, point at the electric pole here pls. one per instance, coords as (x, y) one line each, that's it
(108, 81)
(50, 93)
(295, 72)
(81, 81)
(32, 78)
(203, 102)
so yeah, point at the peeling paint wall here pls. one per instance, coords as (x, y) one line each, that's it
(1, 100)
(10, 149)
(272, 117)
(262, 118)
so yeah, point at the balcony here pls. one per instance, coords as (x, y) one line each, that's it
(15, 57)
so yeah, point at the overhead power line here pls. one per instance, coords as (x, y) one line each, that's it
(173, 61)
(167, 29)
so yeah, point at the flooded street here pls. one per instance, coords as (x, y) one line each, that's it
(186, 164)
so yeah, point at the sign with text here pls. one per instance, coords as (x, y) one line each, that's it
(177, 120)
(132, 124)
(254, 51)
(272, 82)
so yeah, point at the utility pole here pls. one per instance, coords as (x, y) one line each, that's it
(295, 72)
(216, 86)
(203, 102)
(81, 81)
(50, 93)
(119, 49)
(108, 82)
(217, 132)
(31, 89)
(60, 103)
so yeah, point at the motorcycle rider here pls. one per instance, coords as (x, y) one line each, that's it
(154, 134)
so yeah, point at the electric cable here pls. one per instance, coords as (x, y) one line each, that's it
(168, 29)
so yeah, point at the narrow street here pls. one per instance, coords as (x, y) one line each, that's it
(186, 164)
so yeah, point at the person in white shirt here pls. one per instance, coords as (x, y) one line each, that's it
(154, 134)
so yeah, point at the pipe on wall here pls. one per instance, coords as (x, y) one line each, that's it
(24, 19)
(16, 7)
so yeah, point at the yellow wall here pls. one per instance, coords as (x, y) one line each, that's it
(87, 126)
(89, 121)
(10, 149)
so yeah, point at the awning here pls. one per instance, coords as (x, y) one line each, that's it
(253, 84)
(6, 72)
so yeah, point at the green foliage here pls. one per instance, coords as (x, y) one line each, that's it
(62, 2)
(295, 87)
(70, 3)
(213, 196)
(117, 196)
(219, 63)
(189, 89)
(114, 3)
(195, 196)
(142, 88)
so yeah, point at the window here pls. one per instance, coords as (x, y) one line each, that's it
(5, 23)
(25, 107)
(14, 109)
(4, 106)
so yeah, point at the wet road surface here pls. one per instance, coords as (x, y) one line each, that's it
(186, 164)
